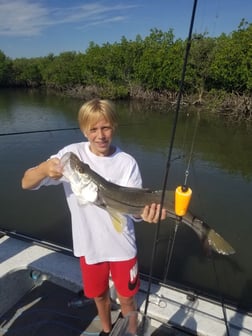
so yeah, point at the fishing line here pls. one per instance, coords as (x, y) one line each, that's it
(44, 131)
(41, 131)
(178, 220)
(170, 248)
(185, 134)
(212, 259)
(220, 296)
(172, 236)
(188, 45)
(192, 149)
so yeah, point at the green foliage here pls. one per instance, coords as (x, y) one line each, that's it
(26, 71)
(154, 63)
(5, 65)
(200, 60)
(153, 69)
(63, 70)
(232, 62)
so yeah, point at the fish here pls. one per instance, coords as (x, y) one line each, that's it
(118, 201)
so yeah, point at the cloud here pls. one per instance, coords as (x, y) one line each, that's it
(22, 18)
(107, 20)
(29, 18)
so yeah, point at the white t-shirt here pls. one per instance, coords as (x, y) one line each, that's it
(94, 235)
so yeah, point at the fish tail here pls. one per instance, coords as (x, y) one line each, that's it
(211, 240)
(218, 244)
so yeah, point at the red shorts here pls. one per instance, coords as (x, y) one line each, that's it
(96, 277)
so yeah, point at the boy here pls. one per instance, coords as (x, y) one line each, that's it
(102, 249)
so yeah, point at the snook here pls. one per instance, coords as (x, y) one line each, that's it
(90, 187)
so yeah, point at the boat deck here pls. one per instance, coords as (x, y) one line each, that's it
(46, 309)
(37, 284)
(37, 288)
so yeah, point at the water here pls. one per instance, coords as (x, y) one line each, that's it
(220, 175)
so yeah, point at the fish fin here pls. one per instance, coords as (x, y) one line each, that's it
(118, 220)
(218, 244)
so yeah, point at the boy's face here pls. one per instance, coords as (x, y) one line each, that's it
(100, 137)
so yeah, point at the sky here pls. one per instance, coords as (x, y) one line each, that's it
(37, 28)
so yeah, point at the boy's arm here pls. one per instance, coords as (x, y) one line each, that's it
(33, 176)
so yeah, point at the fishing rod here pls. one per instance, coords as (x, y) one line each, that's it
(75, 128)
(184, 192)
(41, 131)
(188, 45)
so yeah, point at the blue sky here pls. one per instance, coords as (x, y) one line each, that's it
(34, 28)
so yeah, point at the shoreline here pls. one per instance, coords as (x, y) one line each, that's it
(232, 106)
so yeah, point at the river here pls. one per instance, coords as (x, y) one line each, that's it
(217, 157)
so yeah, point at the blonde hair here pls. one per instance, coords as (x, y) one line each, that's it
(92, 111)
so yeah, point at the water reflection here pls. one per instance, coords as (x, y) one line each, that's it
(220, 177)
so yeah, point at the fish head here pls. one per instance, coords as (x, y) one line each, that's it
(82, 185)
(72, 165)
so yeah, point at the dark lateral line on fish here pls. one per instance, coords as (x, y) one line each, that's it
(125, 203)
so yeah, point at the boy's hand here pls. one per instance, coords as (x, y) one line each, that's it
(53, 168)
(151, 213)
